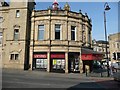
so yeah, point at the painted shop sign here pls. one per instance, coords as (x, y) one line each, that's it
(56, 55)
(40, 55)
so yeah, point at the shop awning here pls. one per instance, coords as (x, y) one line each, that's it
(89, 54)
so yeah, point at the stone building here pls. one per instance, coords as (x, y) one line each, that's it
(100, 46)
(15, 27)
(57, 36)
(114, 42)
(49, 40)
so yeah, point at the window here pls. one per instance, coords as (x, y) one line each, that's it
(41, 63)
(14, 56)
(118, 55)
(89, 36)
(41, 32)
(73, 35)
(118, 45)
(83, 32)
(17, 13)
(1, 19)
(16, 34)
(57, 31)
(0, 38)
(83, 27)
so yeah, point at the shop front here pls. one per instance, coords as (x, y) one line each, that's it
(57, 62)
(88, 57)
(40, 61)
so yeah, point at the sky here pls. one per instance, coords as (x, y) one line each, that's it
(95, 12)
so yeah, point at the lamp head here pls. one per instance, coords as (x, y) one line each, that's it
(107, 7)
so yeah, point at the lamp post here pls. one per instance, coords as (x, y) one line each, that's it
(106, 8)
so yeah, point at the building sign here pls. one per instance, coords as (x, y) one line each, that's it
(40, 55)
(92, 57)
(61, 55)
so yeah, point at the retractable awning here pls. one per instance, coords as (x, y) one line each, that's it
(89, 54)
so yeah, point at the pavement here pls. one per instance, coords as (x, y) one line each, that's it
(39, 79)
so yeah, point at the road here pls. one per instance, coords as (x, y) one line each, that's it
(40, 79)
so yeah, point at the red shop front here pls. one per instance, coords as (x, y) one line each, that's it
(40, 61)
(88, 57)
(57, 62)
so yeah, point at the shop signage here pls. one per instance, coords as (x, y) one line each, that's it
(57, 56)
(91, 57)
(40, 55)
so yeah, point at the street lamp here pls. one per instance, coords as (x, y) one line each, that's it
(106, 8)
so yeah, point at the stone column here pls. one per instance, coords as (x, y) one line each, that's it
(80, 63)
(31, 58)
(48, 64)
(87, 35)
(66, 62)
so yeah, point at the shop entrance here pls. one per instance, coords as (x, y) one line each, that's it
(74, 62)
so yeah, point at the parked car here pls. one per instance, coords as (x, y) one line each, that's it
(116, 76)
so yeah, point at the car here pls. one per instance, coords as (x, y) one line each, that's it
(116, 76)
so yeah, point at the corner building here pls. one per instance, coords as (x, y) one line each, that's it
(57, 36)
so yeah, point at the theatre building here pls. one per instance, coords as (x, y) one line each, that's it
(57, 36)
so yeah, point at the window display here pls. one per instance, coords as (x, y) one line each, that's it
(41, 63)
(58, 63)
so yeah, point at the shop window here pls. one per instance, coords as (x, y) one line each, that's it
(17, 13)
(73, 32)
(16, 34)
(41, 63)
(57, 31)
(41, 32)
(58, 64)
(14, 56)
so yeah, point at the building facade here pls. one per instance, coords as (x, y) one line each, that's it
(57, 36)
(100, 46)
(49, 40)
(15, 19)
(114, 41)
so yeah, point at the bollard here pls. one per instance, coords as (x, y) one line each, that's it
(86, 72)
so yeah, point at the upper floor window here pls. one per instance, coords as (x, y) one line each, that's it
(83, 27)
(57, 31)
(118, 46)
(41, 32)
(16, 34)
(0, 38)
(73, 34)
(17, 13)
(89, 36)
(1, 19)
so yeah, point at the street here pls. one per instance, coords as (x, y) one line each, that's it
(40, 79)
